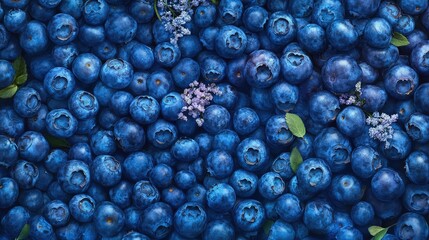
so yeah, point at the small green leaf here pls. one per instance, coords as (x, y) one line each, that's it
(9, 91)
(216, 2)
(267, 226)
(155, 7)
(380, 234)
(21, 79)
(399, 40)
(57, 142)
(20, 66)
(295, 124)
(295, 159)
(373, 230)
(25, 231)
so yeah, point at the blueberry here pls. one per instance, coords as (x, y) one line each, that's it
(281, 28)
(221, 197)
(255, 18)
(86, 67)
(313, 175)
(327, 11)
(406, 25)
(365, 161)
(185, 72)
(25, 174)
(345, 190)
(82, 207)
(219, 230)
(116, 73)
(159, 84)
(249, 215)
(252, 155)
(411, 225)
(74, 177)
(377, 33)
(59, 83)
(13, 124)
(351, 121)
(262, 69)
(420, 102)
(375, 98)
(213, 68)
(144, 194)
(318, 215)
(108, 219)
(387, 185)
(230, 11)
(61, 123)
(277, 132)
(415, 198)
(56, 213)
(230, 42)
(8, 74)
(62, 29)
(281, 230)
(130, 135)
(416, 167)
(185, 179)
(340, 74)
(106, 170)
(14, 221)
(216, 118)
(95, 12)
(289, 208)
(380, 58)
(34, 38)
(341, 35)
(219, 164)
(245, 121)
(103, 142)
(312, 38)
(40, 228)
(205, 15)
(362, 9)
(166, 54)
(120, 28)
(281, 165)
(324, 107)
(226, 140)
(401, 81)
(8, 151)
(9, 192)
(399, 148)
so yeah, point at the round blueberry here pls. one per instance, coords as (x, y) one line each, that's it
(108, 219)
(262, 69)
(249, 215)
(157, 220)
(9, 192)
(221, 197)
(61, 123)
(116, 73)
(190, 220)
(144, 194)
(74, 177)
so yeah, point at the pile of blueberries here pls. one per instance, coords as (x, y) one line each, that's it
(93, 143)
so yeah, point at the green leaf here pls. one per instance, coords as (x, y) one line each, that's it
(399, 40)
(373, 230)
(57, 142)
(21, 79)
(295, 159)
(295, 124)
(380, 234)
(267, 226)
(155, 7)
(9, 91)
(216, 2)
(20, 66)
(24, 232)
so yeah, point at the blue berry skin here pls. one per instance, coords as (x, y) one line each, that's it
(40, 65)
(390, 12)
(49, 3)
(37, 122)
(15, 4)
(205, 15)
(312, 38)
(417, 127)
(243, 182)
(56, 213)
(380, 58)
(83, 105)
(145, 109)
(61, 123)
(108, 219)
(120, 194)
(40, 13)
(255, 18)
(281, 165)
(334, 148)
(8, 151)
(103, 142)
(221, 197)
(369, 74)
(197, 194)
(411, 226)
(40, 228)
(7, 74)
(14, 220)
(120, 103)
(59, 83)
(281, 230)
(190, 220)
(228, 96)
(413, 7)
(417, 167)
(362, 8)
(95, 12)
(340, 74)
(162, 134)
(161, 175)
(74, 177)
(142, 11)
(400, 146)
(64, 55)
(144, 194)
(208, 36)
(318, 215)
(185, 179)
(205, 142)
(138, 84)
(173, 197)
(213, 68)
(418, 59)
(375, 98)
(27, 102)
(230, 11)
(314, 175)
(106, 170)
(281, 28)
(120, 28)
(219, 230)
(86, 67)
(230, 42)
(351, 121)
(82, 207)
(103, 93)
(171, 106)
(132, 217)
(219, 164)
(289, 208)
(157, 220)
(420, 101)
(304, 145)
(405, 25)
(226, 140)
(69, 231)
(105, 50)
(34, 38)
(249, 215)
(45, 178)
(166, 54)
(9, 192)
(245, 121)
(73, 8)
(13, 124)
(54, 191)
(159, 84)
(216, 118)
(262, 69)
(400, 82)
(116, 73)
(62, 29)
(137, 166)
(130, 135)
(25, 174)
(349, 232)
(190, 45)
(277, 132)
(414, 198)
(362, 213)
(4, 36)
(387, 185)
(327, 11)
(271, 185)
(378, 33)
(296, 66)
(185, 150)
(345, 190)
(142, 57)
(341, 35)
(252, 155)
(33, 146)
(365, 161)
(324, 107)
(185, 72)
